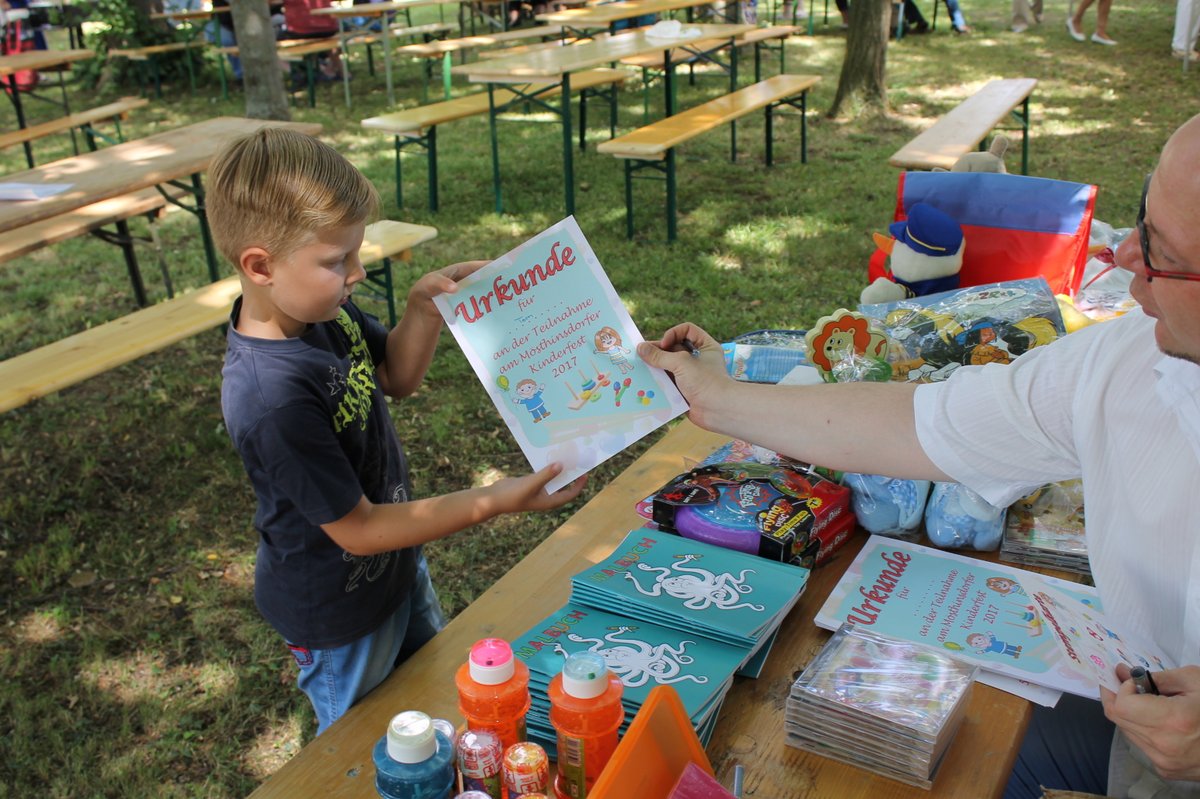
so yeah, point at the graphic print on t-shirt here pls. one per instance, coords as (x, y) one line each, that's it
(355, 404)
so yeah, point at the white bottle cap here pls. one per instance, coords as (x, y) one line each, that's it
(410, 737)
(491, 661)
(584, 675)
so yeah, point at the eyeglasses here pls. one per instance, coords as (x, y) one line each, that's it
(1151, 272)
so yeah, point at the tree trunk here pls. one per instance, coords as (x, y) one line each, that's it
(261, 75)
(862, 82)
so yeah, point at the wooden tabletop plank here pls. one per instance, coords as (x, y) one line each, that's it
(127, 167)
(603, 15)
(552, 63)
(379, 9)
(750, 727)
(40, 59)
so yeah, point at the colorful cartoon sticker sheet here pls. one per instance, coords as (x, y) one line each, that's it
(1025, 625)
(556, 350)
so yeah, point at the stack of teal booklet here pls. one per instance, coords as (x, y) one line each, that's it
(664, 610)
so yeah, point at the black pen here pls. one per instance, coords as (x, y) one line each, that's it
(1143, 683)
(691, 348)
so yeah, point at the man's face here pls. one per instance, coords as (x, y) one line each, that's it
(1174, 237)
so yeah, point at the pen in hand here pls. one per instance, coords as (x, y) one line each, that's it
(692, 349)
(1143, 683)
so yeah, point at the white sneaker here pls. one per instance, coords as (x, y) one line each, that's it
(1104, 40)
(1020, 27)
(1075, 34)
(1191, 56)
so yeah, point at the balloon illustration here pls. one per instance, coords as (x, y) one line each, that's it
(502, 381)
(953, 647)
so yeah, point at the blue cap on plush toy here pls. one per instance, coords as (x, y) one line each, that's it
(928, 231)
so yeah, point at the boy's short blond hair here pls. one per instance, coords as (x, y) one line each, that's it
(278, 189)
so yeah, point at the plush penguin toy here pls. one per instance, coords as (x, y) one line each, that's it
(926, 255)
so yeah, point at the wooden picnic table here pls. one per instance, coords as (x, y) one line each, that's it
(35, 60)
(603, 16)
(749, 729)
(544, 68)
(124, 168)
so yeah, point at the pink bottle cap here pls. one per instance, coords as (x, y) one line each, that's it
(491, 661)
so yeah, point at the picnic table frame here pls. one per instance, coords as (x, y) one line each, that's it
(749, 730)
(177, 157)
(530, 75)
(36, 60)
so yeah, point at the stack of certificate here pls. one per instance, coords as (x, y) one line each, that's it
(882, 704)
(663, 610)
(1046, 529)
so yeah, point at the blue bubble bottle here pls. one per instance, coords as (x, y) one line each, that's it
(414, 760)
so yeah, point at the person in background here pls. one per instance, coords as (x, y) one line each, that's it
(1187, 28)
(1075, 22)
(300, 23)
(339, 571)
(1026, 14)
(1116, 404)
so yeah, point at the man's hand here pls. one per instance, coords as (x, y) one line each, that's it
(517, 494)
(701, 376)
(1166, 728)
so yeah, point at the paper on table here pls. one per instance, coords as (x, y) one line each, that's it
(31, 191)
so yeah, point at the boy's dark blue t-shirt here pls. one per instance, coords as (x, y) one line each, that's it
(313, 430)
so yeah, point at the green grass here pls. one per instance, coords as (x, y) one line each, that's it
(132, 659)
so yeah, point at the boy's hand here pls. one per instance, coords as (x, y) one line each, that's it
(440, 281)
(700, 376)
(517, 494)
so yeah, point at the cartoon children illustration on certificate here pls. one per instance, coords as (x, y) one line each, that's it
(987, 642)
(608, 342)
(529, 394)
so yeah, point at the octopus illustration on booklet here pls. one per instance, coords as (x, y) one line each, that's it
(556, 351)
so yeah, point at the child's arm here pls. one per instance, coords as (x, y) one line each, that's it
(370, 529)
(411, 343)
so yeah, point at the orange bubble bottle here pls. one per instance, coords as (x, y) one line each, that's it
(586, 711)
(493, 691)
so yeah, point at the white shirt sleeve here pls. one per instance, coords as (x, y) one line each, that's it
(1003, 430)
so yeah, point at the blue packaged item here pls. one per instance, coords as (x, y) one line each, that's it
(887, 505)
(765, 356)
(414, 759)
(958, 518)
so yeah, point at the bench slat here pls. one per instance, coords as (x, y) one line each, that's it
(412, 121)
(960, 130)
(654, 140)
(27, 239)
(143, 53)
(79, 119)
(74, 359)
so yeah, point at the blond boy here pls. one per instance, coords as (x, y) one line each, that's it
(339, 571)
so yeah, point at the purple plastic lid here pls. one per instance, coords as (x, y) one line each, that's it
(733, 520)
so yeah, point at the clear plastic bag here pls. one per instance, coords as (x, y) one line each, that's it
(886, 505)
(958, 518)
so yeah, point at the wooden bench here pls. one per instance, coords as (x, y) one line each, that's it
(653, 146)
(93, 219)
(418, 126)
(150, 55)
(71, 360)
(84, 121)
(966, 126)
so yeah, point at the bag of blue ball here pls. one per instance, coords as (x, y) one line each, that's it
(955, 516)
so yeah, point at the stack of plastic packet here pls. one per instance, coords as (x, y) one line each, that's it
(765, 356)
(1046, 528)
(885, 705)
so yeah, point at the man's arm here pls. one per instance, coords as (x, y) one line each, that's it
(370, 528)
(857, 427)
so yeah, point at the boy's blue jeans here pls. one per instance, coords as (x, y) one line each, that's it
(334, 679)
